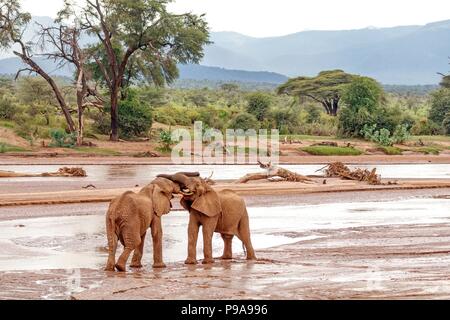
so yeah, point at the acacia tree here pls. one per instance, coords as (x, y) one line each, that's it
(139, 33)
(13, 23)
(326, 88)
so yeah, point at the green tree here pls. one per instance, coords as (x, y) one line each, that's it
(140, 32)
(326, 88)
(440, 105)
(362, 99)
(136, 117)
(244, 121)
(259, 105)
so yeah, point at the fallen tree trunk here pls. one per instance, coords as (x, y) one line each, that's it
(63, 172)
(273, 172)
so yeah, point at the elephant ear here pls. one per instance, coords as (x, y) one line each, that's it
(208, 204)
(161, 202)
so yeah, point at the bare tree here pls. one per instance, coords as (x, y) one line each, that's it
(13, 23)
(64, 40)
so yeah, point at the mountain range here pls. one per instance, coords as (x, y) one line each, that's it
(405, 55)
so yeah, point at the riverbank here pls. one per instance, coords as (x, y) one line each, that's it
(61, 159)
(274, 189)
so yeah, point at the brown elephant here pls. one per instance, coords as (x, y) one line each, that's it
(130, 216)
(224, 212)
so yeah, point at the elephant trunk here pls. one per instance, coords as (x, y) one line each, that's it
(180, 177)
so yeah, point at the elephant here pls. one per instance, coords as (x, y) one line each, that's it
(224, 212)
(130, 216)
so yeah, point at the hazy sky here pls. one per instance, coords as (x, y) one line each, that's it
(262, 18)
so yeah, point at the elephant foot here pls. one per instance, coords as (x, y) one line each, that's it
(159, 265)
(136, 265)
(190, 261)
(226, 257)
(252, 258)
(109, 268)
(208, 261)
(121, 268)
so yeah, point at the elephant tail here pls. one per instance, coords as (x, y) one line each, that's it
(244, 228)
(111, 232)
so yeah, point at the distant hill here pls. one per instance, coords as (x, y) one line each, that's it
(405, 55)
(401, 55)
(187, 72)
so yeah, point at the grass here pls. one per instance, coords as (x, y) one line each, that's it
(391, 151)
(331, 151)
(305, 137)
(431, 138)
(4, 148)
(7, 124)
(429, 150)
(98, 151)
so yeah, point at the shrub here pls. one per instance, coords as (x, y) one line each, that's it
(440, 105)
(62, 139)
(165, 141)
(446, 124)
(383, 136)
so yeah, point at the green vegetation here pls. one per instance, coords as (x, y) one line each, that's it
(429, 150)
(392, 151)
(332, 151)
(4, 148)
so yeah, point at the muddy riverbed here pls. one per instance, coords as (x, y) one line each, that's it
(396, 248)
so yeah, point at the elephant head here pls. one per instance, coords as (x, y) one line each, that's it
(197, 193)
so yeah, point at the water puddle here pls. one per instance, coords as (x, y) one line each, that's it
(80, 241)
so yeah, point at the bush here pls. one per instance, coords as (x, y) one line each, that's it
(383, 136)
(244, 121)
(62, 139)
(259, 105)
(446, 124)
(165, 141)
(440, 105)
(8, 108)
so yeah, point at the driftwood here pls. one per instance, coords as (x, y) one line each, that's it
(63, 172)
(339, 170)
(274, 172)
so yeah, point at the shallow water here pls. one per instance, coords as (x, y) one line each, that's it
(80, 241)
(221, 172)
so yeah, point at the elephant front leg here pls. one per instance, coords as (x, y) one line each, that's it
(208, 232)
(157, 235)
(136, 261)
(192, 240)
(228, 247)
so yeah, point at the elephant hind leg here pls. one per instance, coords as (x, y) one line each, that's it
(244, 236)
(136, 261)
(130, 245)
(228, 247)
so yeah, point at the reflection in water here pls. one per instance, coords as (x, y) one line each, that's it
(80, 241)
(145, 173)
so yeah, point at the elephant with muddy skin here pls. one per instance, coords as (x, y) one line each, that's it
(130, 216)
(222, 212)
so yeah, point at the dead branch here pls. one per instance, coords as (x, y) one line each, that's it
(273, 172)
(339, 170)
